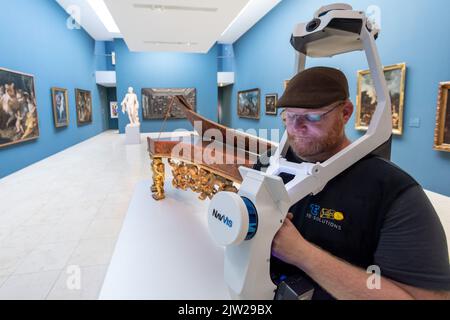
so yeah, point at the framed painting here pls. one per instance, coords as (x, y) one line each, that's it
(18, 108)
(442, 130)
(366, 100)
(83, 100)
(114, 110)
(249, 104)
(60, 103)
(271, 102)
(156, 102)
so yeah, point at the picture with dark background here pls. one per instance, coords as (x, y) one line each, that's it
(60, 107)
(156, 102)
(83, 101)
(271, 102)
(367, 98)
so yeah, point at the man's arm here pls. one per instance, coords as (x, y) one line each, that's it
(422, 294)
(337, 277)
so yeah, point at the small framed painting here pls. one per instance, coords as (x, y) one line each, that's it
(83, 102)
(114, 109)
(248, 104)
(271, 102)
(60, 103)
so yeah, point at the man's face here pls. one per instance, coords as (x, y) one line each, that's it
(310, 139)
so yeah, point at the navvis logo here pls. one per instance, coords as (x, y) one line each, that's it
(222, 218)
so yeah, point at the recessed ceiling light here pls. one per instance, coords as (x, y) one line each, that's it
(178, 43)
(160, 8)
(105, 16)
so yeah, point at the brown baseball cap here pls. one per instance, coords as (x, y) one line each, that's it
(315, 88)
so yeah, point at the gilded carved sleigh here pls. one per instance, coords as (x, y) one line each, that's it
(207, 162)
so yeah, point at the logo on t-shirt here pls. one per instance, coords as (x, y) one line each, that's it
(325, 216)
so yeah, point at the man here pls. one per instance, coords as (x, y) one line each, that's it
(373, 216)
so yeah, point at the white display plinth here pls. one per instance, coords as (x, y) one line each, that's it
(133, 134)
(164, 250)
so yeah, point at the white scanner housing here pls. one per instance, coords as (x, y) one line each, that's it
(246, 223)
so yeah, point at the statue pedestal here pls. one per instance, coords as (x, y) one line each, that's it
(133, 134)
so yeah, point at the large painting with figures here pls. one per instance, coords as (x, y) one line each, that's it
(18, 109)
(83, 103)
(156, 102)
(366, 101)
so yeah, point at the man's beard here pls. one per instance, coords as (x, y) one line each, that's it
(312, 148)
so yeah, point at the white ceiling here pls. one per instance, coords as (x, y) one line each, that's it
(173, 25)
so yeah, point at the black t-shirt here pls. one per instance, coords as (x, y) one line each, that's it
(375, 214)
(412, 248)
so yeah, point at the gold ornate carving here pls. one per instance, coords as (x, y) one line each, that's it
(202, 181)
(158, 179)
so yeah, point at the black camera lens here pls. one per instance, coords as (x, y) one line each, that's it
(313, 25)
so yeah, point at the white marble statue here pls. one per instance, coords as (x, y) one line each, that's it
(130, 104)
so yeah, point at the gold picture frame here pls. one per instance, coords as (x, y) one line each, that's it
(249, 104)
(60, 104)
(442, 130)
(83, 102)
(19, 111)
(271, 104)
(156, 102)
(366, 98)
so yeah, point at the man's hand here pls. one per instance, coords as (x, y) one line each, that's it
(288, 244)
(339, 278)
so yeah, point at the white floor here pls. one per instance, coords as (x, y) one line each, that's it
(67, 210)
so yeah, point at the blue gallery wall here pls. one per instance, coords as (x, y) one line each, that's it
(109, 48)
(113, 124)
(38, 42)
(103, 62)
(264, 59)
(167, 70)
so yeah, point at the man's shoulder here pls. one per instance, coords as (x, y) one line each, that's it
(376, 169)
